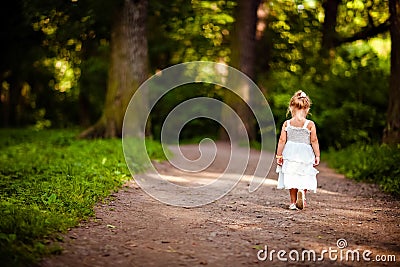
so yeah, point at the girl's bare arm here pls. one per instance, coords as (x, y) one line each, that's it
(281, 145)
(314, 143)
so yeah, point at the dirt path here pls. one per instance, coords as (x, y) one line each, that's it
(134, 229)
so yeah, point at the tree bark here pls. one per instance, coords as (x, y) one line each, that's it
(128, 67)
(246, 35)
(84, 110)
(328, 27)
(392, 129)
(243, 58)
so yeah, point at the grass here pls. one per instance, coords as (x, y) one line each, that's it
(49, 181)
(370, 163)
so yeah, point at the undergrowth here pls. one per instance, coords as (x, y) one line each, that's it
(49, 181)
(370, 163)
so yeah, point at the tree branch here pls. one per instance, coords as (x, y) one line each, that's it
(364, 34)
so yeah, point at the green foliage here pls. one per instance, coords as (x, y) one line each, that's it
(349, 90)
(293, 35)
(342, 115)
(356, 14)
(50, 44)
(352, 103)
(49, 181)
(372, 163)
(189, 30)
(54, 72)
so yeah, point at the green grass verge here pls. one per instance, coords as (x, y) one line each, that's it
(371, 163)
(49, 181)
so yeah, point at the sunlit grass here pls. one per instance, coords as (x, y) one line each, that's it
(49, 181)
(372, 163)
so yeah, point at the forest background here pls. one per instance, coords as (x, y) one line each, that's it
(57, 56)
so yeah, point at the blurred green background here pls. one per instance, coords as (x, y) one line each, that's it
(55, 59)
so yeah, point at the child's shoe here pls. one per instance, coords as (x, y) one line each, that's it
(300, 199)
(293, 206)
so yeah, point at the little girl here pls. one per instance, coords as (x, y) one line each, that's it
(298, 152)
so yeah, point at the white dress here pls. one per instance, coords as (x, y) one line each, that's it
(297, 170)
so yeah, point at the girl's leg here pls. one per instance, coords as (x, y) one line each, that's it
(305, 191)
(293, 195)
(301, 197)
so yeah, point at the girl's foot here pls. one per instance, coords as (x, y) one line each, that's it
(293, 206)
(300, 199)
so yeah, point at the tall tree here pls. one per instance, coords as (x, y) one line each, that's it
(128, 67)
(392, 130)
(244, 59)
(329, 25)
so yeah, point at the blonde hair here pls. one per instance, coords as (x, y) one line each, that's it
(299, 100)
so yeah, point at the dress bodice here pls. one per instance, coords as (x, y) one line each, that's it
(298, 134)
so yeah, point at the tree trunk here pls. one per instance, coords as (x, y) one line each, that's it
(392, 130)
(13, 105)
(5, 106)
(128, 67)
(246, 35)
(243, 58)
(328, 28)
(84, 110)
